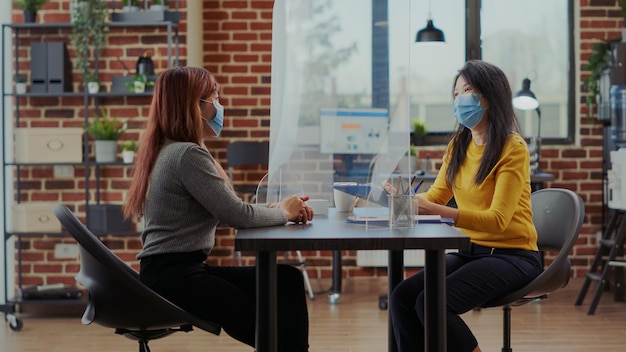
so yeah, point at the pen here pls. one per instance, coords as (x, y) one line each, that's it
(418, 186)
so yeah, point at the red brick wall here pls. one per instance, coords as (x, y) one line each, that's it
(237, 47)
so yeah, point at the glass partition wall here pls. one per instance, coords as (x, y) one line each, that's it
(342, 85)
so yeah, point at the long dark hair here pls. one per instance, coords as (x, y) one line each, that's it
(174, 115)
(492, 83)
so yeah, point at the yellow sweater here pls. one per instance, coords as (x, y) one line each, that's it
(495, 213)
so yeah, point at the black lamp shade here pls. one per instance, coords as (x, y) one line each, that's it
(525, 99)
(430, 34)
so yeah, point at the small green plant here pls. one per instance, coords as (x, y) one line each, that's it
(89, 28)
(412, 151)
(30, 5)
(139, 77)
(419, 129)
(21, 78)
(159, 2)
(105, 128)
(596, 63)
(129, 145)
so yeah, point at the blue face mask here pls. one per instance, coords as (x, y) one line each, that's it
(467, 109)
(217, 122)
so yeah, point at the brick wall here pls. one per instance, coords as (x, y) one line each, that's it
(237, 47)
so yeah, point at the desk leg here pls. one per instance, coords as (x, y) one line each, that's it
(335, 293)
(435, 301)
(266, 320)
(395, 276)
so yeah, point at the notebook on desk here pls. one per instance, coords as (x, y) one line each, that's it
(380, 216)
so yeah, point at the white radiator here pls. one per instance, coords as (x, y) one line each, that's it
(379, 258)
(412, 258)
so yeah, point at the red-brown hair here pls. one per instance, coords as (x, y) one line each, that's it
(174, 115)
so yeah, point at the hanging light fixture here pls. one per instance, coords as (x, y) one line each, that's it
(430, 33)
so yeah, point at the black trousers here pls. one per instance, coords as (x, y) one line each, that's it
(227, 296)
(473, 277)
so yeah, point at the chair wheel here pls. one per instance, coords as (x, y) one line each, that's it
(15, 323)
(382, 304)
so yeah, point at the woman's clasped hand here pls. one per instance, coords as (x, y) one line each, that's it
(296, 209)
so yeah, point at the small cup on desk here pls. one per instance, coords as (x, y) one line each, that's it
(319, 206)
(343, 200)
(401, 211)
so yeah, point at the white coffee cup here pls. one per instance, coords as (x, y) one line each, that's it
(343, 200)
(319, 206)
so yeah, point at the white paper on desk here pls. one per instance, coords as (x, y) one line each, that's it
(381, 216)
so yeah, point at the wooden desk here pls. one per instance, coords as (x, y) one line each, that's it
(332, 232)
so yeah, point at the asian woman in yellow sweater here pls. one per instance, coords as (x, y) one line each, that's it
(486, 168)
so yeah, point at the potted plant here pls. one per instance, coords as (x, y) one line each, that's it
(20, 84)
(30, 8)
(88, 36)
(419, 132)
(598, 61)
(105, 131)
(139, 83)
(128, 150)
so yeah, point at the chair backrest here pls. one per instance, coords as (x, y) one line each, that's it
(117, 298)
(558, 216)
(242, 153)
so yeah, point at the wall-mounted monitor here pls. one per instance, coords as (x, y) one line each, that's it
(353, 131)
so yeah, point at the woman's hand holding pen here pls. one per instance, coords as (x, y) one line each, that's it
(296, 209)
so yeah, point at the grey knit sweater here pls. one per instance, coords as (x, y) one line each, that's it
(187, 199)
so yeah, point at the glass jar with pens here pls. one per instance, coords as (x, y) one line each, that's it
(402, 210)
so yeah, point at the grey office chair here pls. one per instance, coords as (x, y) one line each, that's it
(246, 153)
(558, 215)
(117, 299)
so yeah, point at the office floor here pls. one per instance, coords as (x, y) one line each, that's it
(356, 324)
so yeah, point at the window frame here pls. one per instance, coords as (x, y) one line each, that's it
(473, 50)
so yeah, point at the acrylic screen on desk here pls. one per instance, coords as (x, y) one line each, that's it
(353, 131)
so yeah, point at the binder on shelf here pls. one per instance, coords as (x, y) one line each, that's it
(51, 70)
(59, 68)
(38, 67)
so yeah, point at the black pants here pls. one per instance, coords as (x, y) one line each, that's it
(226, 296)
(474, 277)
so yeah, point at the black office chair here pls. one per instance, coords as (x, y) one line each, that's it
(558, 215)
(246, 153)
(117, 299)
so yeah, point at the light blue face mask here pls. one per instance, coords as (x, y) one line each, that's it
(217, 122)
(467, 109)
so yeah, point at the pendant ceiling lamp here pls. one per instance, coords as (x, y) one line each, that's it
(430, 33)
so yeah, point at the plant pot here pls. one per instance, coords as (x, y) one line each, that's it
(20, 88)
(30, 16)
(105, 151)
(128, 156)
(130, 8)
(159, 7)
(419, 140)
(140, 87)
(93, 87)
